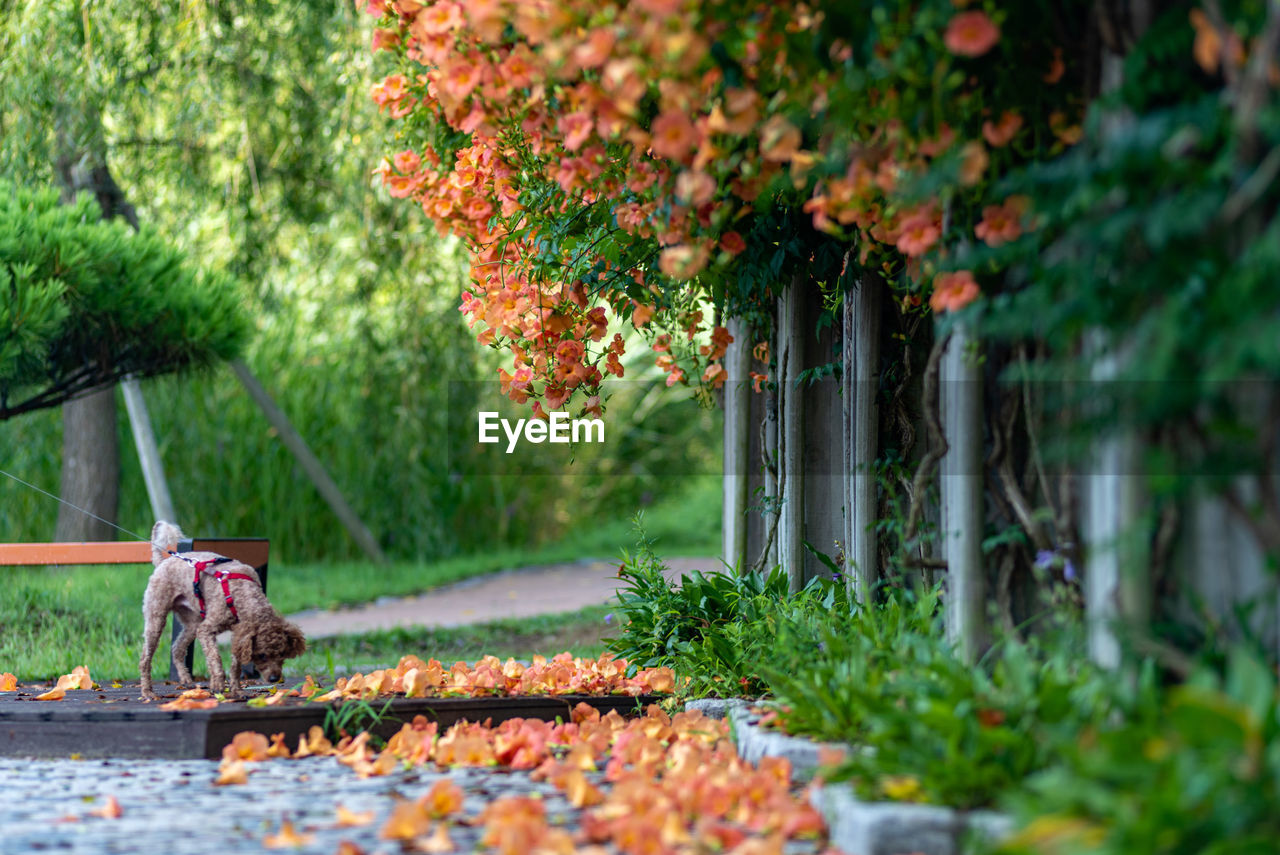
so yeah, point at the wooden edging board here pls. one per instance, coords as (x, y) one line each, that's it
(114, 723)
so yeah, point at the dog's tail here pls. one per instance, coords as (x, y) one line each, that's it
(164, 539)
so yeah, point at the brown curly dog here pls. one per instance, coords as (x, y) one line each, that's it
(230, 597)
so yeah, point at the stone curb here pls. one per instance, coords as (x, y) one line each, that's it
(756, 742)
(865, 828)
(891, 828)
(718, 708)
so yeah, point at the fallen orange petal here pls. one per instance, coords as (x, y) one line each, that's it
(8, 682)
(349, 819)
(196, 694)
(78, 679)
(407, 821)
(444, 798)
(416, 683)
(287, 837)
(190, 704)
(346, 847)
(246, 745)
(829, 755)
(439, 841)
(55, 694)
(278, 747)
(110, 810)
(316, 743)
(579, 791)
(232, 773)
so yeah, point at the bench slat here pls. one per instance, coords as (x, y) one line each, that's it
(103, 552)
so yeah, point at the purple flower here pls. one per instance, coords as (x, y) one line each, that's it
(1047, 559)
(608, 619)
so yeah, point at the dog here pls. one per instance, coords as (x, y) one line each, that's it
(210, 594)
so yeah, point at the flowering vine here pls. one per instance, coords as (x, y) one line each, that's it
(616, 160)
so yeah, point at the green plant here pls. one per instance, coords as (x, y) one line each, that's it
(349, 718)
(926, 725)
(1193, 770)
(846, 655)
(966, 735)
(328, 665)
(715, 629)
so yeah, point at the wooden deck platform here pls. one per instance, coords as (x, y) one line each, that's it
(113, 722)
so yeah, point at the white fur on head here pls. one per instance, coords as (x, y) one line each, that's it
(164, 538)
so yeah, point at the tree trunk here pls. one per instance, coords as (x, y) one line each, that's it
(90, 467)
(90, 450)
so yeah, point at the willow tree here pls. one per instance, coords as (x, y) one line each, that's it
(225, 126)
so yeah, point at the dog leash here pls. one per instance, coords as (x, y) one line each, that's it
(63, 501)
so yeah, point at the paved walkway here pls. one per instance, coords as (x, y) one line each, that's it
(530, 591)
(173, 806)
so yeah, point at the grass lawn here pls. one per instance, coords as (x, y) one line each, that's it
(54, 618)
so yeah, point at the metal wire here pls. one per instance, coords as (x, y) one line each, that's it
(133, 534)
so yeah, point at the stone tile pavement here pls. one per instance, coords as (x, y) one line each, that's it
(173, 807)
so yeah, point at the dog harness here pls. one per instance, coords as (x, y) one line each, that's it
(202, 567)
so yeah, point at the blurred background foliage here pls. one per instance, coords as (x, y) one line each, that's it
(244, 132)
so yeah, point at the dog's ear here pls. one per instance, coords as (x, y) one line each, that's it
(295, 642)
(242, 644)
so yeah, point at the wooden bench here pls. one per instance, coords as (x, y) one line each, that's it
(249, 550)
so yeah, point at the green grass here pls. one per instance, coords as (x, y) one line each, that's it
(53, 618)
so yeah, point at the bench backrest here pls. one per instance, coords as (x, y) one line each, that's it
(251, 550)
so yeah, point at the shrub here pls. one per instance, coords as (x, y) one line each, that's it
(1196, 770)
(926, 725)
(718, 630)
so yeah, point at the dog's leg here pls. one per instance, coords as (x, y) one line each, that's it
(190, 622)
(150, 640)
(212, 658)
(234, 676)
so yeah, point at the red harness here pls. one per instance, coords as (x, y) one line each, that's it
(221, 575)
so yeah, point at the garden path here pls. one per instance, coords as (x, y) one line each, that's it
(524, 592)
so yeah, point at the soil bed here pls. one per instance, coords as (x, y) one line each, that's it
(114, 722)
